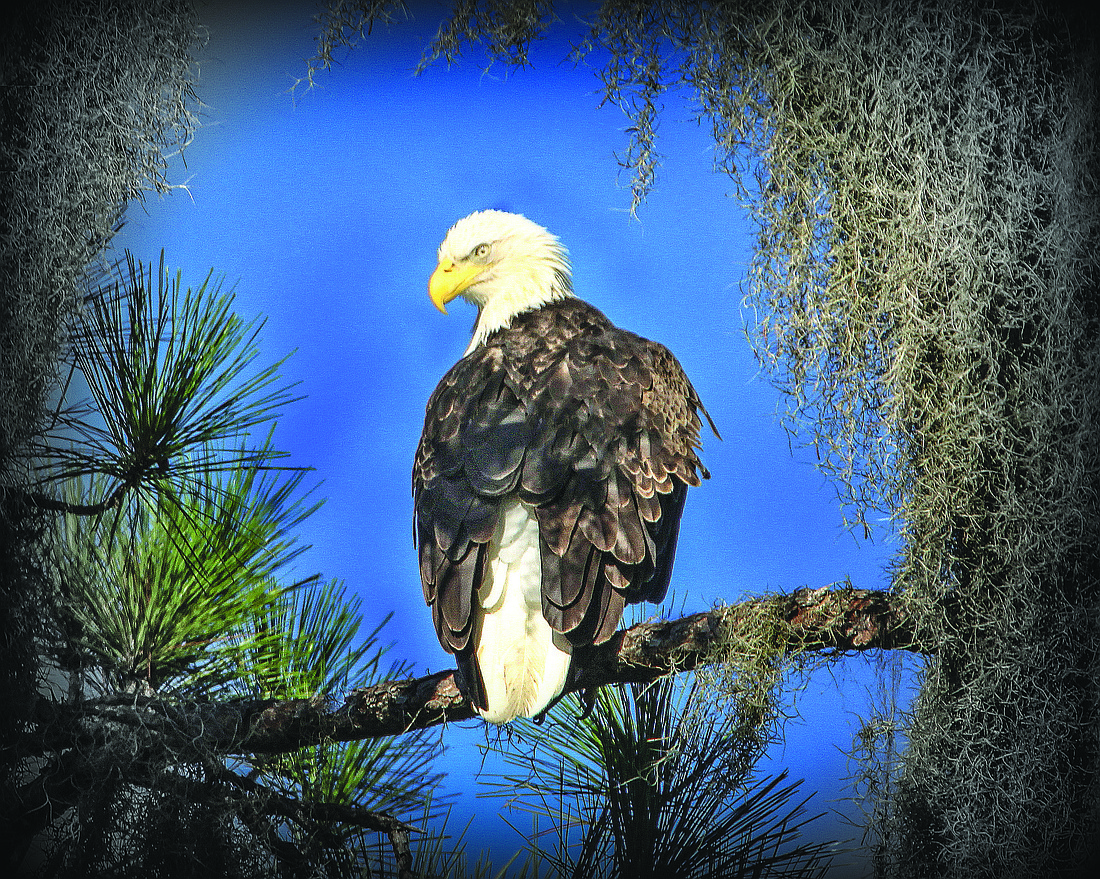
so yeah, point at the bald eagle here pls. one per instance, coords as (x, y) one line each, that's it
(552, 471)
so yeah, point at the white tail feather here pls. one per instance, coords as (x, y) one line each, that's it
(523, 661)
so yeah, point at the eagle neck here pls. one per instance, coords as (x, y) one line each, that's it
(504, 305)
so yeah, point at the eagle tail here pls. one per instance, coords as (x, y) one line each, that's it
(523, 662)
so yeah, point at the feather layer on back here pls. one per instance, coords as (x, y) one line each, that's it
(592, 429)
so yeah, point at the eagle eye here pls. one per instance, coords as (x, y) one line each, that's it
(481, 251)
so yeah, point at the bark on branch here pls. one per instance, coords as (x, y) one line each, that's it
(840, 620)
(822, 620)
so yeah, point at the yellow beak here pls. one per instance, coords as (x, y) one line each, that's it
(449, 280)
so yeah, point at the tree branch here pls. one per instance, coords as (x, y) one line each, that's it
(153, 729)
(821, 620)
(39, 501)
(304, 812)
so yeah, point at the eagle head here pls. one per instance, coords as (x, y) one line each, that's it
(504, 264)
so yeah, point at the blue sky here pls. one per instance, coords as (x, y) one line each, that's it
(326, 209)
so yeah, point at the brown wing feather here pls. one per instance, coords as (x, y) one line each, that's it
(596, 428)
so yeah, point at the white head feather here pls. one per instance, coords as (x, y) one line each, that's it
(509, 265)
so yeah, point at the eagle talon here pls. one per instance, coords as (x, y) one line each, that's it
(587, 698)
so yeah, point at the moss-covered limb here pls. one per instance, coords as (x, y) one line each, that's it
(848, 619)
(825, 619)
(843, 619)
